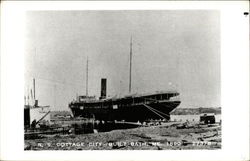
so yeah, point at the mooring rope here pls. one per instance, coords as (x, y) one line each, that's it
(155, 100)
(159, 111)
(154, 111)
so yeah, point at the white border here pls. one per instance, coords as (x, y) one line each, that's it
(234, 78)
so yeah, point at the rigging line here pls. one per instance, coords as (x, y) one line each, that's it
(59, 82)
(154, 111)
(130, 64)
(159, 111)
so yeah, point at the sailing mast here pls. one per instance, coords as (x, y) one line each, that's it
(34, 88)
(130, 64)
(87, 77)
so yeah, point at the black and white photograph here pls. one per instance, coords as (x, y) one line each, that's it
(127, 80)
(134, 80)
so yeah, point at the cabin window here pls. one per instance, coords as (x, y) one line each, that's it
(165, 96)
(115, 106)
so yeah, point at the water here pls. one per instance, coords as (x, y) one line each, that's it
(190, 118)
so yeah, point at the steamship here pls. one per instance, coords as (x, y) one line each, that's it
(130, 108)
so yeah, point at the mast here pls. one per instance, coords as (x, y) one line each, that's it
(34, 88)
(130, 64)
(54, 95)
(87, 77)
(25, 100)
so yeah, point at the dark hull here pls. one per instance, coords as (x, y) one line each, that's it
(132, 113)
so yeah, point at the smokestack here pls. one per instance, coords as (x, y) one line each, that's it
(36, 103)
(103, 88)
(34, 90)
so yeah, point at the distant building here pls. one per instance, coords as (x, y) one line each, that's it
(207, 118)
(195, 117)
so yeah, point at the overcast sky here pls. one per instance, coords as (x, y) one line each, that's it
(177, 50)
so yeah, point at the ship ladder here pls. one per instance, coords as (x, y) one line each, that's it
(159, 113)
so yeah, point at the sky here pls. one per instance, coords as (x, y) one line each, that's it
(172, 50)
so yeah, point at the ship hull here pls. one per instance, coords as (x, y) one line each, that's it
(131, 113)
